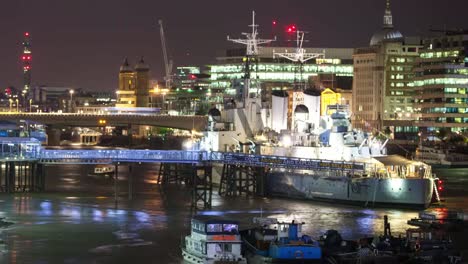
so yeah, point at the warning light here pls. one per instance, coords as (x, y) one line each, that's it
(26, 34)
(274, 22)
(440, 185)
(192, 76)
(291, 29)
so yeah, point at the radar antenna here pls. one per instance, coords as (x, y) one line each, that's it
(300, 56)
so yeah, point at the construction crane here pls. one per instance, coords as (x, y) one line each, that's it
(167, 62)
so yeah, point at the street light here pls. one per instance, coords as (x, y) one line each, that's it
(71, 99)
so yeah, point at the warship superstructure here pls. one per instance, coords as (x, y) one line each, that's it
(329, 139)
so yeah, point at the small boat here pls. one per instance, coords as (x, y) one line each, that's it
(276, 242)
(213, 241)
(437, 157)
(103, 171)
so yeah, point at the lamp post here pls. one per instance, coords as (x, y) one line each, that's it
(30, 105)
(17, 105)
(71, 100)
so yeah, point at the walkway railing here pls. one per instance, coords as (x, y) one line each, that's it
(93, 156)
(180, 156)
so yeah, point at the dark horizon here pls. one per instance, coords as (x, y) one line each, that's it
(82, 44)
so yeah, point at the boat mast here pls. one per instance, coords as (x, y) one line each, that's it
(251, 41)
(300, 56)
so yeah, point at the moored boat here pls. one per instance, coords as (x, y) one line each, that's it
(213, 241)
(277, 242)
(438, 157)
(105, 171)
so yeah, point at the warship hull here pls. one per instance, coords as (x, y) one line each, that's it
(393, 192)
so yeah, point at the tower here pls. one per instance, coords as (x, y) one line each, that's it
(387, 19)
(126, 92)
(126, 76)
(26, 59)
(142, 83)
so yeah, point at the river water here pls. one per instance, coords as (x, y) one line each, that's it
(77, 221)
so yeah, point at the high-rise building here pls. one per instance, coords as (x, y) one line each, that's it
(26, 59)
(278, 73)
(441, 83)
(383, 72)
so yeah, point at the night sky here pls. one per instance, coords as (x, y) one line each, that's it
(81, 43)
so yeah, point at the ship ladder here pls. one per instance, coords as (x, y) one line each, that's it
(436, 192)
(376, 181)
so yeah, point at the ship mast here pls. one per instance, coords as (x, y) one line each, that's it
(300, 56)
(251, 41)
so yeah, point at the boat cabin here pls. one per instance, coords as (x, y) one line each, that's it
(215, 238)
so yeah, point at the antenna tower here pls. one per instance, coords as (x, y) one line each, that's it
(300, 56)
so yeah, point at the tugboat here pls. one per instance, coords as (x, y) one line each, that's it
(213, 241)
(284, 243)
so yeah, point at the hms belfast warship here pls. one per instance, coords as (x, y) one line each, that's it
(351, 166)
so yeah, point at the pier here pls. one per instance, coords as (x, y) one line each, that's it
(22, 162)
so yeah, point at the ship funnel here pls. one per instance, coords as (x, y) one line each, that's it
(279, 110)
(312, 102)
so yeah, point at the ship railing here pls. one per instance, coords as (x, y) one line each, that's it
(284, 162)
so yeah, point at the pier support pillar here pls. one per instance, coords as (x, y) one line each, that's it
(238, 180)
(116, 187)
(261, 181)
(130, 182)
(202, 185)
(53, 136)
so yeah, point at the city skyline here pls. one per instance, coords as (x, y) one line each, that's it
(82, 44)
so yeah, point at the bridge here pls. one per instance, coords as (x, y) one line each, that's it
(197, 123)
(25, 149)
(22, 161)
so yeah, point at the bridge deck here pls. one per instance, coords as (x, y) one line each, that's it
(179, 156)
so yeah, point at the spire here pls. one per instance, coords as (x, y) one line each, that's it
(387, 19)
(125, 67)
(141, 65)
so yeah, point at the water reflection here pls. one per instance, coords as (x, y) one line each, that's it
(87, 228)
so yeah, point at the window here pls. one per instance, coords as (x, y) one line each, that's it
(230, 228)
(214, 228)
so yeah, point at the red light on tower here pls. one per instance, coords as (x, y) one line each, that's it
(274, 22)
(26, 34)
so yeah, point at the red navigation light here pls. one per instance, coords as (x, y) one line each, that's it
(440, 185)
(192, 76)
(274, 22)
(29, 57)
(291, 28)
(24, 57)
(26, 34)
